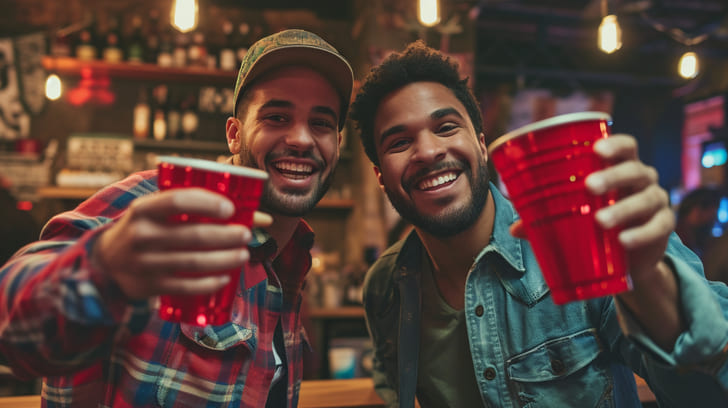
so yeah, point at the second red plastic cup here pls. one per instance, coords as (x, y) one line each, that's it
(244, 186)
(543, 166)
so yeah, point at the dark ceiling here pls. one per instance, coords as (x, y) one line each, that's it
(556, 40)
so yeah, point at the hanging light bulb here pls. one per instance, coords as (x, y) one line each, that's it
(428, 12)
(184, 15)
(53, 88)
(688, 67)
(610, 34)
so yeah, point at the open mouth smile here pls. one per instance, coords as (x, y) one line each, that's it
(438, 180)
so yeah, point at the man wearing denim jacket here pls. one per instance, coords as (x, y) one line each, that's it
(459, 312)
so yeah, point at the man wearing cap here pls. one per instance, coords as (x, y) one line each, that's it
(79, 306)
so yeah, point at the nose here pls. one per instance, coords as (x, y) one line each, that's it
(299, 137)
(428, 147)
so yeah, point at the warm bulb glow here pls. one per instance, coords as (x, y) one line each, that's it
(688, 65)
(610, 34)
(184, 15)
(428, 13)
(53, 87)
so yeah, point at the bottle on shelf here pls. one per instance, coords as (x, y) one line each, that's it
(179, 54)
(86, 47)
(153, 37)
(197, 51)
(243, 42)
(142, 116)
(228, 58)
(190, 119)
(112, 51)
(61, 45)
(135, 50)
(159, 114)
(174, 116)
(165, 56)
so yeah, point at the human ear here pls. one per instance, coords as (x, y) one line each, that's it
(232, 133)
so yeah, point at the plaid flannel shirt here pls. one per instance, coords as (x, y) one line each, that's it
(64, 319)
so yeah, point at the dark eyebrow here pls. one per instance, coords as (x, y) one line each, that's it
(438, 114)
(391, 131)
(277, 103)
(441, 113)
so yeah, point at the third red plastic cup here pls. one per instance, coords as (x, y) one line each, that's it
(543, 166)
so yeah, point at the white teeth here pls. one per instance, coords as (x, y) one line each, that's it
(437, 181)
(298, 168)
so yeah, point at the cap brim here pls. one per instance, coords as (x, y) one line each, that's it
(332, 66)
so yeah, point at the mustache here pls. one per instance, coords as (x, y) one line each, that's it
(410, 181)
(297, 154)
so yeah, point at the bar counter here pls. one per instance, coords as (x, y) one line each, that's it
(354, 393)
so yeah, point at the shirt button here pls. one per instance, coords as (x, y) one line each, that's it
(479, 310)
(489, 373)
(557, 366)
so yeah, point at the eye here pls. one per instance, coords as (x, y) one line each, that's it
(397, 145)
(323, 123)
(447, 128)
(275, 118)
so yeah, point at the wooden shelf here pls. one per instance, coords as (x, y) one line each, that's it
(136, 71)
(343, 312)
(68, 193)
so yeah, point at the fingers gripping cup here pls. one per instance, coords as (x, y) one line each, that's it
(543, 166)
(244, 187)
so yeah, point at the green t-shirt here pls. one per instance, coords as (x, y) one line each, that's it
(445, 377)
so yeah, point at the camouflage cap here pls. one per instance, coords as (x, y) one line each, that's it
(296, 47)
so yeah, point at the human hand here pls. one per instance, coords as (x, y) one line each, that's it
(143, 251)
(643, 210)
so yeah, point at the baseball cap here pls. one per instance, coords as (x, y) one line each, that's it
(296, 47)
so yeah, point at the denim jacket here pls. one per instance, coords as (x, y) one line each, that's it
(529, 352)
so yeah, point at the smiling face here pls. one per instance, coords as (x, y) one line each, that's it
(288, 127)
(433, 166)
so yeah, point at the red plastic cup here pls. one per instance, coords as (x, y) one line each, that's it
(244, 186)
(543, 166)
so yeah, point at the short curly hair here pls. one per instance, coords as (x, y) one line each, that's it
(417, 63)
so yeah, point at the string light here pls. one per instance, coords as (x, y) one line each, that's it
(53, 88)
(428, 12)
(610, 34)
(184, 15)
(688, 67)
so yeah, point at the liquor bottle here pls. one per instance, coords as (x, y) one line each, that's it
(61, 45)
(112, 48)
(86, 47)
(159, 114)
(179, 55)
(165, 56)
(228, 59)
(190, 120)
(196, 51)
(142, 114)
(153, 38)
(174, 116)
(243, 41)
(135, 50)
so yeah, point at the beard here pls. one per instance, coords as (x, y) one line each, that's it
(289, 202)
(450, 221)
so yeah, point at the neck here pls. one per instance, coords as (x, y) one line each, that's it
(282, 229)
(453, 256)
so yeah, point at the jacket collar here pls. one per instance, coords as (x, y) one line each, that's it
(527, 287)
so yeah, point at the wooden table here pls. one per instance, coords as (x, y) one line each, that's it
(354, 393)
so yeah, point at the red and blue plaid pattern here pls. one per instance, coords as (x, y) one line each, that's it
(63, 319)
